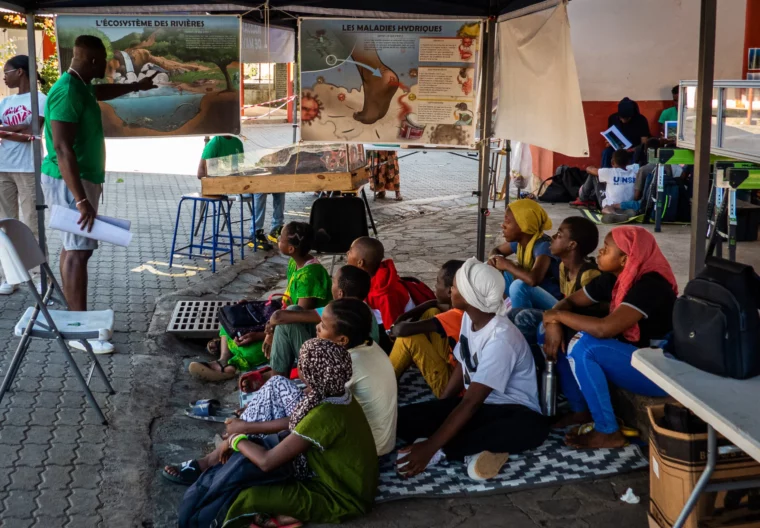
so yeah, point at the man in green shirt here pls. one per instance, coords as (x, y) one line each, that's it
(670, 114)
(219, 147)
(74, 169)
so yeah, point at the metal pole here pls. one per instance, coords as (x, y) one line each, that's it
(704, 479)
(508, 175)
(701, 192)
(296, 84)
(36, 142)
(485, 133)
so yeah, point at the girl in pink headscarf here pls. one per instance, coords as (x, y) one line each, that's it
(640, 287)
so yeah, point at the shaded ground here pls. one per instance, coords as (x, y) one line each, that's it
(58, 468)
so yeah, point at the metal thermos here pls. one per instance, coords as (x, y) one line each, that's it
(549, 390)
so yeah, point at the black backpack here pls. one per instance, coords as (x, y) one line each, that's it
(716, 326)
(563, 186)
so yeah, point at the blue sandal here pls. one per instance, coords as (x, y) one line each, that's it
(209, 411)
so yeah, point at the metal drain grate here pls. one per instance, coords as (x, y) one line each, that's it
(196, 318)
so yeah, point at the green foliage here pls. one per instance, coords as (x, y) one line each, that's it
(7, 51)
(67, 37)
(49, 73)
(192, 76)
(128, 41)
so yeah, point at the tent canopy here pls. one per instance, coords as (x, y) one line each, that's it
(479, 8)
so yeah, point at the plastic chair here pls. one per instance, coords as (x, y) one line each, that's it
(20, 253)
(343, 218)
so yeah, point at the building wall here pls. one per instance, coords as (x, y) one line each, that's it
(640, 49)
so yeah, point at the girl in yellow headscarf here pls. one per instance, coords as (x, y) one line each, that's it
(533, 280)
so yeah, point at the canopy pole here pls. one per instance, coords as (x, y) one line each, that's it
(701, 192)
(486, 101)
(36, 142)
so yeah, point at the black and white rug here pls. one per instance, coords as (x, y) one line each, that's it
(552, 463)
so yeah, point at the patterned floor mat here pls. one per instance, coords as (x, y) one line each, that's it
(552, 463)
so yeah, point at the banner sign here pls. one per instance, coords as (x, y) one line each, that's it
(267, 44)
(193, 60)
(389, 81)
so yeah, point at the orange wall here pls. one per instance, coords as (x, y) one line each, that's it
(596, 113)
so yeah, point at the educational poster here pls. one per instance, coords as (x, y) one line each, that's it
(193, 60)
(389, 81)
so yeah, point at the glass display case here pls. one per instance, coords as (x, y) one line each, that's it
(294, 159)
(735, 118)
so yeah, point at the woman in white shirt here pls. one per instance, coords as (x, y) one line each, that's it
(16, 157)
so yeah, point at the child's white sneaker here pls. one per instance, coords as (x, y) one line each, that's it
(485, 465)
(7, 289)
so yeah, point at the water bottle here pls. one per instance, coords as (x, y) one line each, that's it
(548, 380)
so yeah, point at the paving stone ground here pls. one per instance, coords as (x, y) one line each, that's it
(59, 467)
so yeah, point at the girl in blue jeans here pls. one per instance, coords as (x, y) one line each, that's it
(532, 281)
(640, 286)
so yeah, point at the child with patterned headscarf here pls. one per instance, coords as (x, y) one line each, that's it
(533, 280)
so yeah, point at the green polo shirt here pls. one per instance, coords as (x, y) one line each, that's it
(221, 147)
(669, 114)
(72, 101)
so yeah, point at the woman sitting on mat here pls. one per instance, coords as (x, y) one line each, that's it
(640, 286)
(331, 449)
(499, 412)
(309, 287)
(532, 282)
(346, 322)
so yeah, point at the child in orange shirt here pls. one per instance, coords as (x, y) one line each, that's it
(426, 335)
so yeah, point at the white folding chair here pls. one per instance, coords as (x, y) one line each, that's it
(20, 253)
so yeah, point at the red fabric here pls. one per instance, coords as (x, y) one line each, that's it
(387, 293)
(644, 256)
(418, 290)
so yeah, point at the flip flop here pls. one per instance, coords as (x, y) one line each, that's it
(209, 411)
(581, 430)
(189, 472)
(203, 370)
(214, 346)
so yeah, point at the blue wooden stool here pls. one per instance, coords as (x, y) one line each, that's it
(217, 208)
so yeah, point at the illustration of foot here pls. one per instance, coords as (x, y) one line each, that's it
(378, 94)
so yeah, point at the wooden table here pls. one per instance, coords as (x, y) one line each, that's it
(285, 183)
(726, 405)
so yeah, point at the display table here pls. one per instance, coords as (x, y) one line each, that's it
(728, 406)
(285, 183)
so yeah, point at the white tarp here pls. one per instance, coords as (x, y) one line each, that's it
(539, 94)
(281, 44)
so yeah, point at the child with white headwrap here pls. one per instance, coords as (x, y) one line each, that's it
(499, 412)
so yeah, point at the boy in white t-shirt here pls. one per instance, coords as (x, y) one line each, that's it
(499, 412)
(608, 187)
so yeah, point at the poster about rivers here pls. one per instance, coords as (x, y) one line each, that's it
(389, 81)
(194, 62)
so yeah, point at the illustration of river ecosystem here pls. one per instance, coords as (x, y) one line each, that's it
(193, 61)
(389, 81)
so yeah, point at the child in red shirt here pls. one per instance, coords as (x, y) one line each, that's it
(388, 297)
(426, 335)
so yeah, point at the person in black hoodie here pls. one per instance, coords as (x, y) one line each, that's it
(631, 124)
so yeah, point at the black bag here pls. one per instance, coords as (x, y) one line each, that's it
(563, 186)
(716, 326)
(248, 316)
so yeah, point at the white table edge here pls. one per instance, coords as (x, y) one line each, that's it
(724, 427)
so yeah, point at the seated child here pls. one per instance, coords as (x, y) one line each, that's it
(326, 470)
(573, 242)
(426, 335)
(308, 288)
(346, 322)
(499, 413)
(640, 286)
(532, 281)
(611, 186)
(388, 297)
(290, 329)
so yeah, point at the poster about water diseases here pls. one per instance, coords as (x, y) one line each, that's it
(389, 81)
(194, 61)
